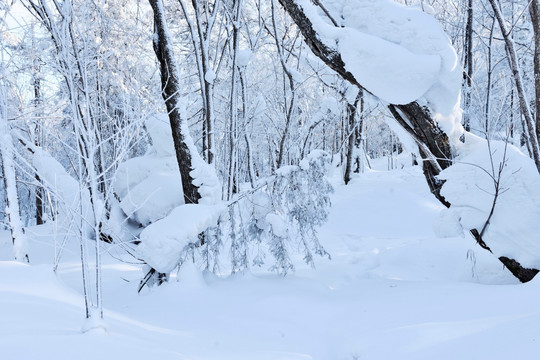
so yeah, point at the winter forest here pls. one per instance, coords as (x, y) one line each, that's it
(269, 179)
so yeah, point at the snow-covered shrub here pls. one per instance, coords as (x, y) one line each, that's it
(278, 217)
(283, 216)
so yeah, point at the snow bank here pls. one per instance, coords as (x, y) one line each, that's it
(163, 242)
(149, 187)
(513, 229)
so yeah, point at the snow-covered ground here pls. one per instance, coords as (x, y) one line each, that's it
(392, 290)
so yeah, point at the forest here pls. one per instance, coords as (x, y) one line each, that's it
(269, 179)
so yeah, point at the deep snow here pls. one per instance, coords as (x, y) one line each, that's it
(392, 290)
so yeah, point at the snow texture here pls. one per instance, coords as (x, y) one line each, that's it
(391, 291)
(72, 198)
(513, 230)
(243, 57)
(150, 186)
(399, 54)
(163, 242)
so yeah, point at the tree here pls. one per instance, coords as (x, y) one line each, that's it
(417, 120)
(7, 156)
(171, 90)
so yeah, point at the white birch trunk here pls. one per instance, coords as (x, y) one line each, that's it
(8, 170)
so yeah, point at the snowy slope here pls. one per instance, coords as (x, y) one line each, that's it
(392, 290)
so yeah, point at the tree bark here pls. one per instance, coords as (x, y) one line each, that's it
(170, 82)
(534, 10)
(353, 134)
(468, 66)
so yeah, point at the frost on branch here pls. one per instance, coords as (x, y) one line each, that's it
(284, 215)
(277, 218)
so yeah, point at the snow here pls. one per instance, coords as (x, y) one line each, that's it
(210, 76)
(392, 290)
(154, 197)
(397, 53)
(149, 186)
(469, 188)
(159, 129)
(278, 224)
(163, 242)
(71, 198)
(243, 57)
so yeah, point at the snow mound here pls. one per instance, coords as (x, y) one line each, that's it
(159, 129)
(149, 186)
(163, 242)
(513, 229)
(399, 54)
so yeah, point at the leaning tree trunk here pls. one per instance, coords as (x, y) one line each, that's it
(417, 120)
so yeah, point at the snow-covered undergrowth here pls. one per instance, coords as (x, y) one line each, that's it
(393, 290)
(280, 213)
(401, 55)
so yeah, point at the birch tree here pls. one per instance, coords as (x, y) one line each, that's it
(7, 155)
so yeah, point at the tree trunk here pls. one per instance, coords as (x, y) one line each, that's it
(352, 110)
(170, 81)
(534, 10)
(468, 66)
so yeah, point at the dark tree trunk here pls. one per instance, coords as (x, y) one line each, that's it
(170, 85)
(534, 10)
(468, 66)
(170, 82)
(353, 134)
(415, 119)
